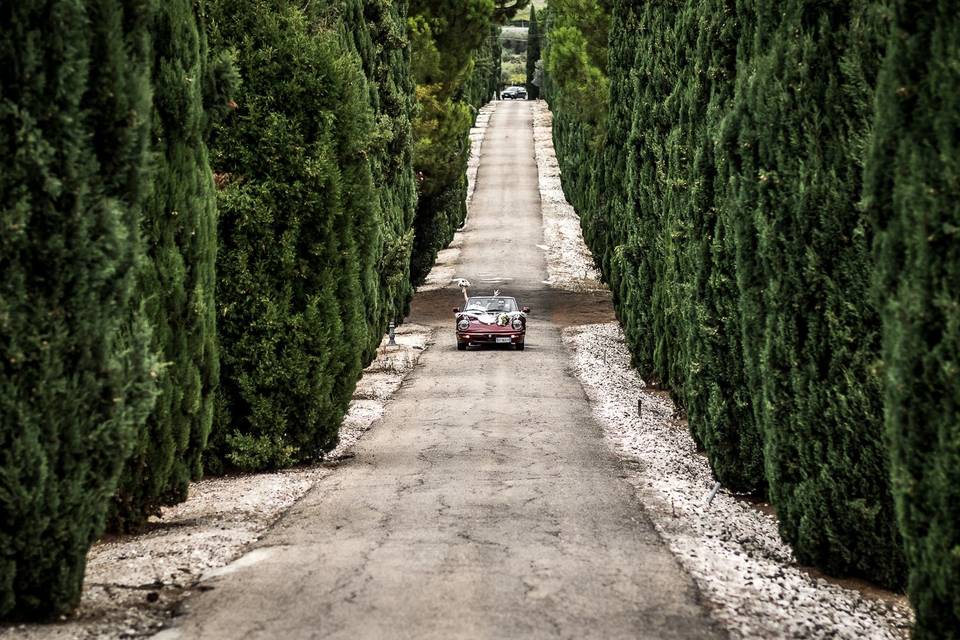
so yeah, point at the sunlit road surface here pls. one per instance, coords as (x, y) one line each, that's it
(486, 503)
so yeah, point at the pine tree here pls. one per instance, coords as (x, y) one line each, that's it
(75, 381)
(912, 189)
(177, 280)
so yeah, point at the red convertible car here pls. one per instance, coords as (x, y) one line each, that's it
(491, 320)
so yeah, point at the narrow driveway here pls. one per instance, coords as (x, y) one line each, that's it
(486, 504)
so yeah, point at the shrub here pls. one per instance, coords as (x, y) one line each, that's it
(75, 381)
(177, 279)
(912, 190)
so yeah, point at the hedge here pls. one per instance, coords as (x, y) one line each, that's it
(75, 375)
(719, 188)
(176, 281)
(912, 191)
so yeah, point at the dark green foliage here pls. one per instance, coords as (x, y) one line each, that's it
(433, 232)
(315, 215)
(177, 280)
(716, 395)
(445, 38)
(533, 54)
(74, 376)
(719, 186)
(912, 195)
(455, 75)
(808, 104)
(484, 78)
(378, 32)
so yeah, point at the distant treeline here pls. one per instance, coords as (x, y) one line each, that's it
(771, 189)
(211, 209)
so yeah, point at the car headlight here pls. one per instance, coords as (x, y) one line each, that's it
(463, 324)
(517, 324)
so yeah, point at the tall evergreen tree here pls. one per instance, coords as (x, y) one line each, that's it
(826, 461)
(533, 53)
(912, 191)
(74, 377)
(484, 78)
(446, 38)
(314, 249)
(378, 32)
(177, 280)
(716, 396)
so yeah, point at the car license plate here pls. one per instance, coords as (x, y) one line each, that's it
(503, 340)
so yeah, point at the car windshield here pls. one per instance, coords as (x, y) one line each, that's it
(492, 304)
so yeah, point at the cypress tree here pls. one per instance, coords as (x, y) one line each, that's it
(739, 277)
(645, 250)
(444, 39)
(715, 393)
(576, 53)
(604, 225)
(533, 54)
(177, 280)
(447, 38)
(74, 378)
(313, 252)
(378, 33)
(826, 462)
(912, 191)
(485, 76)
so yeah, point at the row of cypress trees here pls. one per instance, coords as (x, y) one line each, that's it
(316, 204)
(769, 188)
(533, 53)
(456, 65)
(76, 374)
(209, 210)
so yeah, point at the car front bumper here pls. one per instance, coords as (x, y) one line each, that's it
(473, 337)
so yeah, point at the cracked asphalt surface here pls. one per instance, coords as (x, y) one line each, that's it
(486, 504)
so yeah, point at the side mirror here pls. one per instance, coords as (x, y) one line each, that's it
(525, 309)
(456, 309)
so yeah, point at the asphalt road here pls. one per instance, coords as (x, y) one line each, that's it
(486, 504)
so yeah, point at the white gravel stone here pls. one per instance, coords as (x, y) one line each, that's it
(731, 548)
(569, 263)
